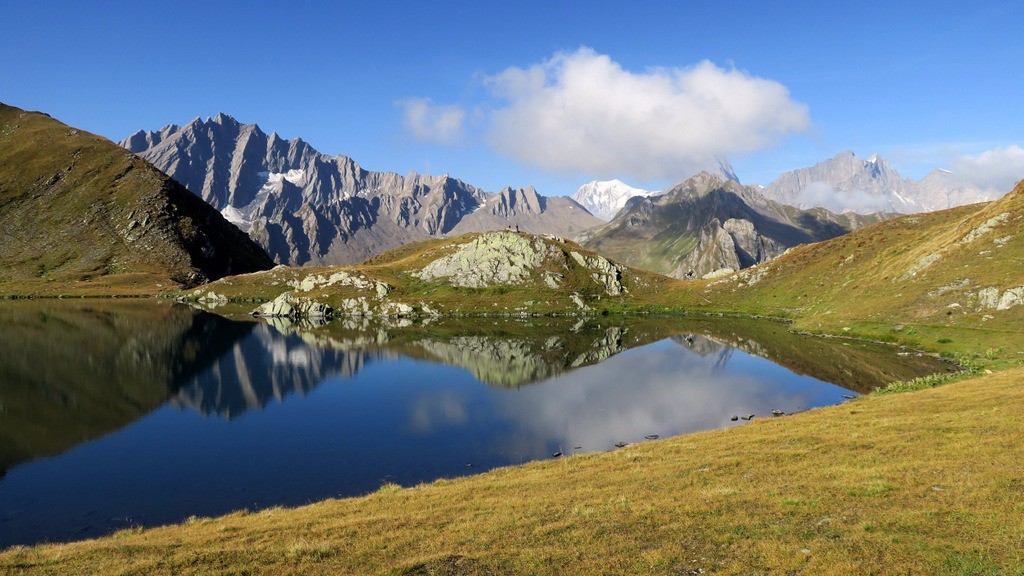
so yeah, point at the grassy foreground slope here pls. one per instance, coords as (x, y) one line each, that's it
(80, 215)
(922, 483)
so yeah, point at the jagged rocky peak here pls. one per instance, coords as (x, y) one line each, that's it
(306, 207)
(513, 201)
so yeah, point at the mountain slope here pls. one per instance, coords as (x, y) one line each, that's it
(305, 207)
(848, 183)
(79, 214)
(708, 223)
(957, 268)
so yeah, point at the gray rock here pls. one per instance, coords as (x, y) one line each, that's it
(288, 306)
(1010, 298)
(491, 259)
(603, 271)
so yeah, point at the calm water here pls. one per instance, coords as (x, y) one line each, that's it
(116, 414)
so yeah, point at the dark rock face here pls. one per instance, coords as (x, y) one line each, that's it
(305, 207)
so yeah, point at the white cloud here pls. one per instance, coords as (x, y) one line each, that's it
(424, 120)
(996, 170)
(582, 112)
(823, 195)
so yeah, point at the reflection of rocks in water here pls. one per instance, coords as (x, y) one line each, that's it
(497, 362)
(287, 324)
(706, 346)
(514, 361)
(512, 352)
(606, 346)
(269, 365)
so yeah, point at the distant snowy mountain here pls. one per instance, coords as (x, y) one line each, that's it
(604, 198)
(847, 183)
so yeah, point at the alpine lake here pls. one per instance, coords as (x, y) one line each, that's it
(125, 413)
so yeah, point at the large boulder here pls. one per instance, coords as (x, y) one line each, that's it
(288, 306)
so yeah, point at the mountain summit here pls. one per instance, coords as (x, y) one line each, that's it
(305, 207)
(604, 198)
(848, 183)
(708, 223)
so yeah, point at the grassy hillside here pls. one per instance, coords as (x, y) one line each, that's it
(80, 215)
(946, 281)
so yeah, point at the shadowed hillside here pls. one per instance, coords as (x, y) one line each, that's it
(79, 214)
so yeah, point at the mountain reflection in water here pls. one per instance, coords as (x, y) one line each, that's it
(137, 413)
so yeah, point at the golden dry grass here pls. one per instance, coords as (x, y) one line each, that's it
(921, 483)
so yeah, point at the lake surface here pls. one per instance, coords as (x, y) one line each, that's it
(116, 414)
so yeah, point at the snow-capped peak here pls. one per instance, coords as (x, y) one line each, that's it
(603, 198)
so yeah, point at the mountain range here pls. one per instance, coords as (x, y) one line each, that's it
(305, 207)
(309, 208)
(848, 183)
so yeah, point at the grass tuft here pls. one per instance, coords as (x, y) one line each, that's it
(306, 551)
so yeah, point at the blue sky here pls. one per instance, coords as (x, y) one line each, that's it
(924, 84)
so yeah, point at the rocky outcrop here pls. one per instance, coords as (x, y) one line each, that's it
(308, 208)
(496, 258)
(490, 259)
(341, 278)
(603, 271)
(288, 306)
(993, 298)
